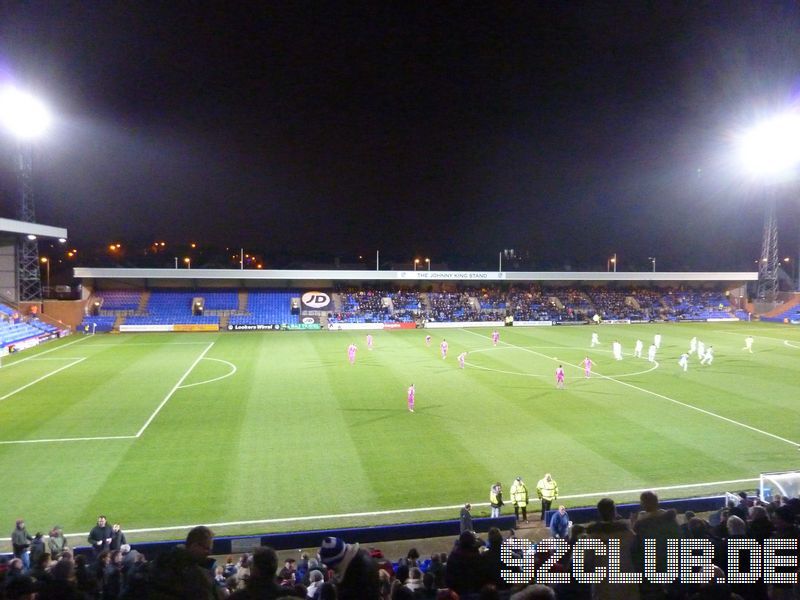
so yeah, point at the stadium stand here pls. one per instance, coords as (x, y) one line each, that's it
(112, 300)
(362, 306)
(267, 308)
(97, 324)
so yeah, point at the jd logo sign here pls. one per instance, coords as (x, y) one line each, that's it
(316, 299)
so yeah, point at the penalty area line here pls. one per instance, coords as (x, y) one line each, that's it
(38, 354)
(45, 376)
(405, 511)
(662, 396)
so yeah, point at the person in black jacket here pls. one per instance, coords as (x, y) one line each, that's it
(118, 538)
(100, 536)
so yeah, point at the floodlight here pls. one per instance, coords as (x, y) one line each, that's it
(31, 237)
(23, 115)
(772, 148)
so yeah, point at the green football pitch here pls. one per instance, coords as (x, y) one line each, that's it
(276, 431)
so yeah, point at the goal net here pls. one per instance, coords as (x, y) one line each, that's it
(783, 483)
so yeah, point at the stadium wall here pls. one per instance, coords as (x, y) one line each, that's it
(69, 312)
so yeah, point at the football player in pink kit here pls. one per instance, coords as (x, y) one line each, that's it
(351, 353)
(427, 340)
(587, 367)
(369, 341)
(461, 358)
(560, 377)
(444, 349)
(411, 392)
(495, 337)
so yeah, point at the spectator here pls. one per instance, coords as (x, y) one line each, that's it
(653, 523)
(414, 581)
(437, 569)
(21, 588)
(759, 526)
(56, 542)
(288, 572)
(428, 591)
(535, 592)
(412, 557)
(356, 572)
(37, 548)
(100, 536)
(20, 542)
(492, 562)
(464, 573)
(261, 583)
(559, 523)
(466, 518)
(40, 568)
(610, 526)
(186, 571)
(118, 538)
(316, 580)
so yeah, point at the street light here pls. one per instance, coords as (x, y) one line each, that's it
(612, 262)
(653, 260)
(416, 262)
(188, 262)
(428, 260)
(46, 263)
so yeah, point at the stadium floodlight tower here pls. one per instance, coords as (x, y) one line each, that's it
(26, 118)
(770, 152)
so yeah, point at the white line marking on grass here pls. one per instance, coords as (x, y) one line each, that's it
(229, 374)
(662, 396)
(38, 354)
(790, 344)
(125, 344)
(656, 364)
(173, 390)
(45, 376)
(83, 439)
(404, 511)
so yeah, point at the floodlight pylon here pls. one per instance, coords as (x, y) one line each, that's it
(30, 283)
(768, 264)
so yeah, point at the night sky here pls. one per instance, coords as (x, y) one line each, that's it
(565, 130)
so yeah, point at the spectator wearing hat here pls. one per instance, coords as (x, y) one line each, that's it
(519, 497)
(355, 571)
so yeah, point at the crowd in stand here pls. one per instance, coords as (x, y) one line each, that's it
(533, 303)
(472, 569)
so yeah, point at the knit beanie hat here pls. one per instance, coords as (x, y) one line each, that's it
(332, 551)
